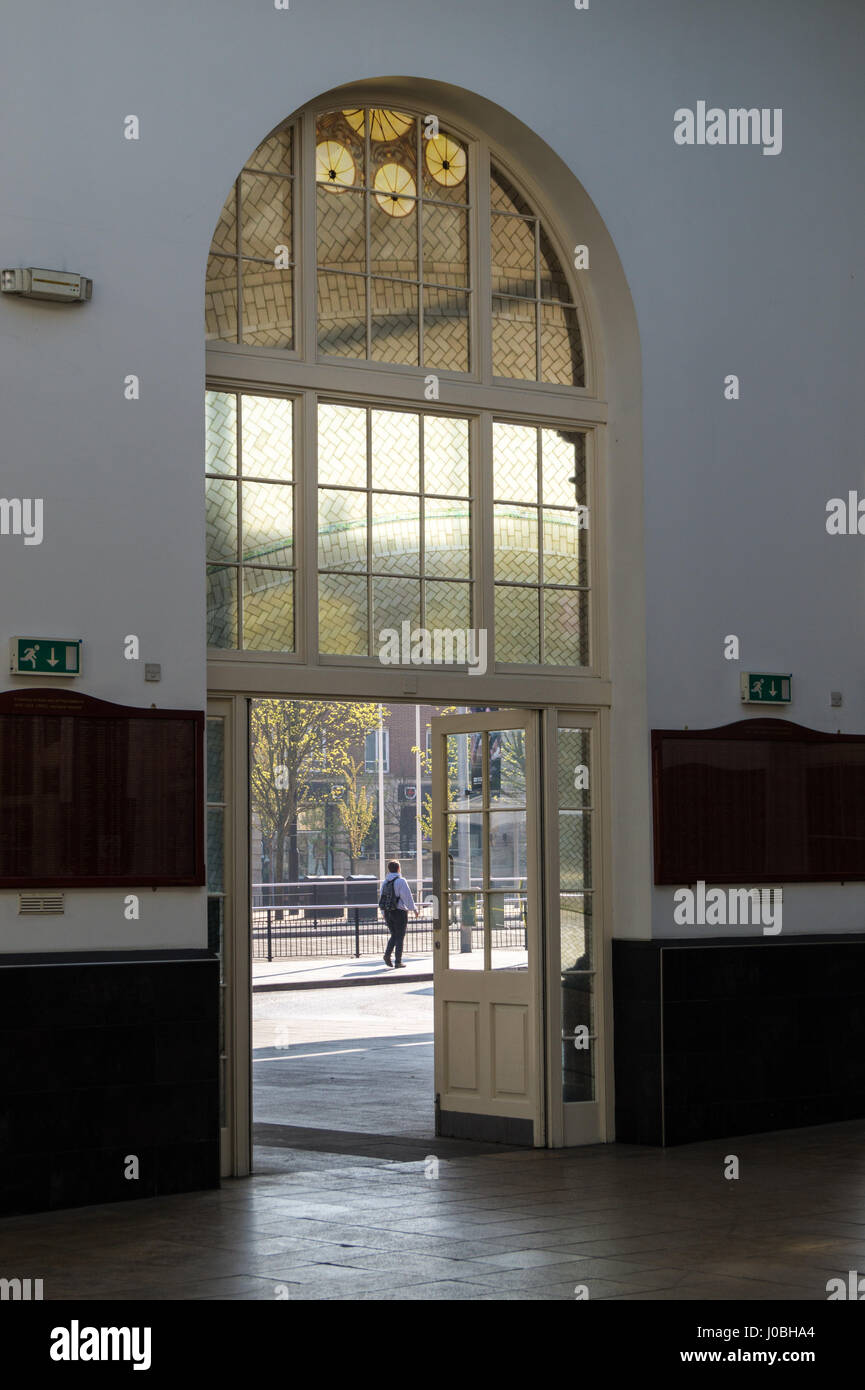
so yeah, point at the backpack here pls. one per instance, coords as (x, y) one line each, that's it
(388, 901)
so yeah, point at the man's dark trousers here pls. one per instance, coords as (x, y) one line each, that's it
(397, 921)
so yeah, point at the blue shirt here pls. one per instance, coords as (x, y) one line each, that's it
(404, 898)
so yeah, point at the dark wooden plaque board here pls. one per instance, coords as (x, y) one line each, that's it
(98, 795)
(758, 801)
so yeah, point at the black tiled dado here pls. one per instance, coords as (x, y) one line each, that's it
(737, 1036)
(103, 1057)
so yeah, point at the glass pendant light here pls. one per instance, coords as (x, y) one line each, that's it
(383, 124)
(395, 190)
(334, 165)
(445, 160)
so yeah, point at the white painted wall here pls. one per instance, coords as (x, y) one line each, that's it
(736, 262)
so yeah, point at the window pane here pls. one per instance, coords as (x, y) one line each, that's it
(268, 523)
(222, 606)
(445, 245)
(341, 529)
(395, 449)
(575, 850)
(517, 624)
(220, 432)
(342, 133)
(267, 305)
(445, 169)
(341, 228)
(515, 462)
(449, 606)
(220, 300)
(215, 759)
(574, 768)
(566, 627)
(577, 1001)
(508, 767)
(265, 216)
(393, 241)
(342, 615)
(267, 437)
(554, 285)
(504, 197)
(575, 915)
(387, 125)
(508, 871)
(513, 255)
(221, 507)
(514, 338)
(515, 542)
(446, 540)
(561, 346)
(225, 236)
(446, 454)
(465, 931)
(395, 534)
(578, 1070)
(508, 929)
(564, 548)
(446, 330)
(341, 315)
(274, 153)
(394, 601)
(268, 610)
(394, 322)
(563, 455)
(215, 849)
(342, 445)
(465, 770)
(465, 851)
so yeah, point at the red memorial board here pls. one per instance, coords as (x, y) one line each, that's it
(94, 794)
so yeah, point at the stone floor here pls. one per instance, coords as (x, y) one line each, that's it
(343, 1216)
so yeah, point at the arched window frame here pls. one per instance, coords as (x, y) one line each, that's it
(303, 375)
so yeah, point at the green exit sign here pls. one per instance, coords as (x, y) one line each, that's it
(760, 688)
(45, 656)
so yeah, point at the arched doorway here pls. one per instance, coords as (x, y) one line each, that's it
(420, 347)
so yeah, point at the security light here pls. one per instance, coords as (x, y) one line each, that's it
(59, 285)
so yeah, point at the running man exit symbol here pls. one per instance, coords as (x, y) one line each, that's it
(45, 656)
(760, 688)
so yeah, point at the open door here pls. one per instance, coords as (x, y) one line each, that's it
(487, 948)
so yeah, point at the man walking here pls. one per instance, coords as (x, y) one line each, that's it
(396, 902)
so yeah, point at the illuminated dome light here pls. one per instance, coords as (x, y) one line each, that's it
(446, 160)
(395, 190)
(383, 124)
(334, 164)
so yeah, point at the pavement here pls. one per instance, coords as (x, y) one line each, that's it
(328, 972)
(346, 1059)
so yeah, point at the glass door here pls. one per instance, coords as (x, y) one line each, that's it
(576, 943)
(487, 950)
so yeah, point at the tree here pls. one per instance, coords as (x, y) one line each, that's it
(356, 810)
(298, 749)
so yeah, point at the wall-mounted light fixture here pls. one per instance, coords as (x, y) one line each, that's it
(59, 285)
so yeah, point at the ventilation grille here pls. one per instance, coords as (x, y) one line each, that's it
(39, 904)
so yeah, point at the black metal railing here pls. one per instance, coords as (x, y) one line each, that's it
(280, 932)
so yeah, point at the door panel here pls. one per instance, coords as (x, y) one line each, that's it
(487, 947)
(576, 949)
